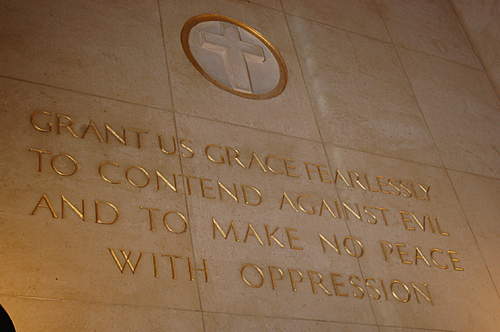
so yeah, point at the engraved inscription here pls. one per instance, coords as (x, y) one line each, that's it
(404, 210)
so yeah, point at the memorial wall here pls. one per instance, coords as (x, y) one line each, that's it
(267, 165)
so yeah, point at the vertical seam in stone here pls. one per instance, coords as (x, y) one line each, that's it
(325, 153)
(466, 33)
(443, 165)
(414, 95)
(164, 44)
(462, 209)
(282, 9)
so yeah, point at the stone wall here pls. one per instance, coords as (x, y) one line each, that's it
(136, 195)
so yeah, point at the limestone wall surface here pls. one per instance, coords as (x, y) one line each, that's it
(138, 195)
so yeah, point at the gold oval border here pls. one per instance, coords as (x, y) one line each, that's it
(193, 21)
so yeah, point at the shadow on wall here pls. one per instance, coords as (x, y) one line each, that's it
(6, 324)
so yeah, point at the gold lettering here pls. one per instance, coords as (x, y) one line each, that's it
(454, 260)
(374, 219)
(101, 173)
(155, 267)
(383, 185)
(182, 218)
(324, 205)
(356, 179)
(219, 159)
(433, 260)
(387, 249)
(79, 213)
(173, 267)
(440, 231)
(293, 281)
(92, 125)
(402, 253)
(205, 188)
(217, 227)
(73, 162)
(253, 233)
(48, 205)
(127, 262)
(48, 125)
(272, 169)
(336, 285)
(348, 209)
(247, 281)
(324, 178)
(65, 121)
(343, 178)
(257, 195)
(259, 162)
(418, 290)
(188, 151)
(163, 149)
(134, 182)
(319, 282)
(309, 211)
(292, 238)
(289, 200)
(170, 184)
(334, 245)
(421, 256)
(108, 130)
(289, 168)
(150, 215)
(138, 133)
(39, 153)
(357, 246)
(192, 269)
(223, 188)
(405, 220)
(370, 286)
(396, 295)
(360, 291)
(98, 219)
(233, 153)
(426, 190)
(271, 274)
(270, 236)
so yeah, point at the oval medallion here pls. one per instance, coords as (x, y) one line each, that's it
(234, 56)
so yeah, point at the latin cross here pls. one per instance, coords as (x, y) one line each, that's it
(235, 54)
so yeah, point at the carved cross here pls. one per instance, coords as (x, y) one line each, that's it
(235, 54)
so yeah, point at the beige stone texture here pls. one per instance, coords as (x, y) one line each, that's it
(195, 95)
(227, 292)
(234, 323)
(361, 95)
(111, 49)
(399, 329)
(385, 99)
(429, 26)
(358, 16)
(481, 21)
(275, 4)
(453, 292)
(479, 197)
(462, 112)
(40, 315)
(65, 257)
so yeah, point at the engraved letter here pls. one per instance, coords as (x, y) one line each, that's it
(98, 218)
